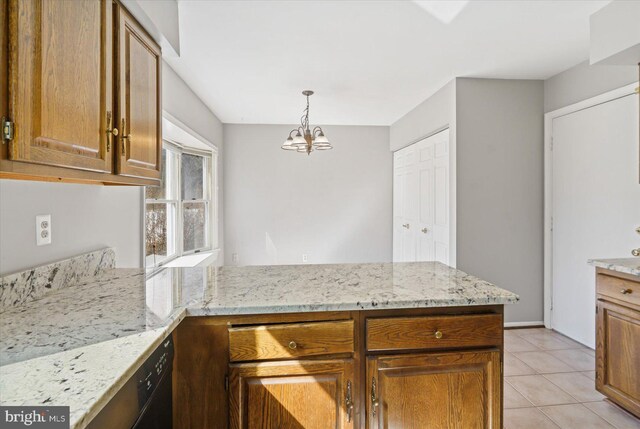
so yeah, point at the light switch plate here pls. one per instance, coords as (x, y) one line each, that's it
(43, 230)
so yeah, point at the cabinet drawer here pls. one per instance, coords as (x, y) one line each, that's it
(434, 332)
(290, 340)
(617, 288)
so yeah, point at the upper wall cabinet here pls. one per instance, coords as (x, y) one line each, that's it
(83, 94)
(139, 67)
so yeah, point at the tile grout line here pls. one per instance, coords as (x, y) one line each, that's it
(577, 372)
(592, 412)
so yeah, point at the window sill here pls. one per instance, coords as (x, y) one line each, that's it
(201, 259)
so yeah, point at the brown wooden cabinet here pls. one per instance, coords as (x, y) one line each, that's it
(435, 368)
(61, 74)
(434, 390)
(139, 108)
(618, 339)
(310, 394)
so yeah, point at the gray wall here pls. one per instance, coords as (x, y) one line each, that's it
(83, 218)
(87, 217)
(585, 81)
(496, 131)
(433, 114)
(500, 188)
(335, 206)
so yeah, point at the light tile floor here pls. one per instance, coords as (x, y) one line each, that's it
(549, 383)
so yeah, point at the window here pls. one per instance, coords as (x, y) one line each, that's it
(179, 213)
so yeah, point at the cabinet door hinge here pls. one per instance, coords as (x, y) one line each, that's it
(226, 383)
(7, 129)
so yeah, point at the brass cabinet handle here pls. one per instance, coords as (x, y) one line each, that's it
(110, 131)
(626, 291)
(438, 334)
(349, 402)
(635, 252)
(293, 345)
(374, 397)
(405, 225)
(124, 136)
(424, 230)
(638, 230)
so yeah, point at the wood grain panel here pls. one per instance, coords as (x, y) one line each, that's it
(403, 333)
(620, 289)
(139, 109)
(292, 394)
(60, 82)
(288, 341)
(435, 390)
(618, 355)
(4, 69)
(200, 370)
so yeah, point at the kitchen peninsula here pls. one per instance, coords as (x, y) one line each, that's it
(345, 346)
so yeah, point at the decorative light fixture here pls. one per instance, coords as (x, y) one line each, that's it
(306, 140)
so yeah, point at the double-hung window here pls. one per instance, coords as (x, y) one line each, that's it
(179, 214)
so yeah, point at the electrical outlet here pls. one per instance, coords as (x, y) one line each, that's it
(234, 258)
(305, 258)
(43, 230)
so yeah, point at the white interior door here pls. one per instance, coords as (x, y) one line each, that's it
(404, 205)
(421, 201)
(596, 205)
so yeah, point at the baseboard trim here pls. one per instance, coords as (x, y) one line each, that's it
(515, 325)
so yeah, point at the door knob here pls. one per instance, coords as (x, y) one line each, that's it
(424, 230)
(405, 225)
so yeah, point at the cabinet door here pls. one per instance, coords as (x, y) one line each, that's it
(618, 355)
(435, 390)
(139, 106)
(293, 394)
(60, 87)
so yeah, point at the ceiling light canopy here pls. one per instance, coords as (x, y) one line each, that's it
(306, 140)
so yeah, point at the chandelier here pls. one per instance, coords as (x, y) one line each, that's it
(305, 139)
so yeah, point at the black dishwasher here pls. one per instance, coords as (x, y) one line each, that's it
(144, 402)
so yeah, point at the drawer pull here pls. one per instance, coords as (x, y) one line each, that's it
(626, 291)
(438, 335)
(293, 345)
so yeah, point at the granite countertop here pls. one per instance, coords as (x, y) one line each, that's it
(77, 346)
(623, 265)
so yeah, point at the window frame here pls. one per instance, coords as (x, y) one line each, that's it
(210, 198)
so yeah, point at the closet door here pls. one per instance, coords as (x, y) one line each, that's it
(405, 205)
(426, 204)
(441, 215)
(421, 201)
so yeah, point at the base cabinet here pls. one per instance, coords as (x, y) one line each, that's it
(434, 390)
(292, 394)
(618, 341)
(414, 368)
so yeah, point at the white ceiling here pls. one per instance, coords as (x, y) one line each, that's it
(370, 62)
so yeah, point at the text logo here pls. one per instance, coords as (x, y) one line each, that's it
(36, 417)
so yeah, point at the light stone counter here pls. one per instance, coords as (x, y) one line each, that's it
(77, 346)
(624, 265)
